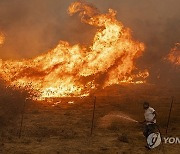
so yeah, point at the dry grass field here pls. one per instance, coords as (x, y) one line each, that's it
(58, 126)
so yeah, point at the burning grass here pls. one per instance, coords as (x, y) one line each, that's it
(77, 70)
(71, 71)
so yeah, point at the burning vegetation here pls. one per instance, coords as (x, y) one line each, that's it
(78, 70)
(60, 77)
(174, 55)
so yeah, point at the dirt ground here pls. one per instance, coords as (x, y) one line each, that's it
(63, 125)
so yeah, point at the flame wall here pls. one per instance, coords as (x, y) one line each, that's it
(77, 70)
(33, 27)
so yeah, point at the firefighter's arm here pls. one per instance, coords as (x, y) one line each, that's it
(155, 113)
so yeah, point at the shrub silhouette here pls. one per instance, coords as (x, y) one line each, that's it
(11, 102)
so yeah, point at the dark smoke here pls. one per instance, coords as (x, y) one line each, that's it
(36, 26)
(33, 27)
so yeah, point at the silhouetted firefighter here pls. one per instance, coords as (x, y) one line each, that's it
(150, 119)
(151, 131)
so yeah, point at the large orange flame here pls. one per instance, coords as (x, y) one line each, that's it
(174, 55)
(77, 70)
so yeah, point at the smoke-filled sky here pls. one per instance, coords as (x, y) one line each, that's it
(36, 26)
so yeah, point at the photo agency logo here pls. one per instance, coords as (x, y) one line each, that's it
(171, 140)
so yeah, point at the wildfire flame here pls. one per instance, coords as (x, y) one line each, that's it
(2, 39)
(77, 70)
(174, 55)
